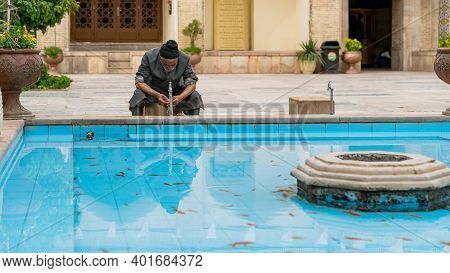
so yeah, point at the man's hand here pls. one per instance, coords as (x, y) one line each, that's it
(163, 100)
(177, 99)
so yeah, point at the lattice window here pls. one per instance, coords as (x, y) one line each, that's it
(150, 13)
(84, 13)
(128, 14)
(105, 13)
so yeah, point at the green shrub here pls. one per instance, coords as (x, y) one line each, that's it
(52, 51)
(192, 50)
(192, 31)
(352, 44)
(444, 42)
(48, 81)
(309, 52)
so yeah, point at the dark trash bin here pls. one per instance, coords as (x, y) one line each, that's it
(330, 55)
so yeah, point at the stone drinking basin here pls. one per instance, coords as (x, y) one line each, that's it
(374, 181)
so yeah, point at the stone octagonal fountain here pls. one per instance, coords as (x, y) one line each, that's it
(374, 181)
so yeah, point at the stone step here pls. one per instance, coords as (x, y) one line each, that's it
(119, 64)
(99, 46)
(118, 56)
(121, 70)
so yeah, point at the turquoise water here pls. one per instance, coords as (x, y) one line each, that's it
(125, 193)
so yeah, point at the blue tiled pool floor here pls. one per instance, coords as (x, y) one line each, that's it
(227, 196)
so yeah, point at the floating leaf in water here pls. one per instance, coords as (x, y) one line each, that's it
(445, 243)
(286, 191)
(244, 243)
(251, 225)
(122, 174)
(178, 211)
(297, 237)
(352, 213)
(357, 239)
(291, 214)
(405, 239)
(413, 215)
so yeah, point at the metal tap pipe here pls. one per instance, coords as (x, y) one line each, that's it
(170, 99)
(331, 90)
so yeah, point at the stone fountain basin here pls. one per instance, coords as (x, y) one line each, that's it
(374, 180)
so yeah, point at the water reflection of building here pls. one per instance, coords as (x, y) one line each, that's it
(228, 165)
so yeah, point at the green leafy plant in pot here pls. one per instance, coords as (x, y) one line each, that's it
(53, 56)
(352, 55)
(309, 56)
(192, 31)
(20, 63)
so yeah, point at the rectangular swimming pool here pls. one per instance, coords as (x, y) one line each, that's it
(202, 188)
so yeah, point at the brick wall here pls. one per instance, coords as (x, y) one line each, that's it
(326, 20)
(62, 36)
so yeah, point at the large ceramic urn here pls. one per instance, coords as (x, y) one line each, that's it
(352, 58)
(442, 68)
(18, 68)
(195, 58)
(53, 63)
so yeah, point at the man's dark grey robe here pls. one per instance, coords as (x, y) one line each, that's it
(153, 74)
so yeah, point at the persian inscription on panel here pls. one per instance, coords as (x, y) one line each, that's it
(231, 25)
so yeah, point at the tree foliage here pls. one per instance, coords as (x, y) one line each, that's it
(41, 14)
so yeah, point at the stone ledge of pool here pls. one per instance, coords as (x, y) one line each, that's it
(103, 120)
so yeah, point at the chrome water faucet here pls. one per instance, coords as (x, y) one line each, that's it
(331, 90)
(170, 99)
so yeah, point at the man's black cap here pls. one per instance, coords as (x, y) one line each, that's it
(169, 50)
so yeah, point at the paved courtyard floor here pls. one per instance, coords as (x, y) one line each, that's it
(368, 93)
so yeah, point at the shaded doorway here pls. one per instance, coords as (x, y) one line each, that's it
(370, 21)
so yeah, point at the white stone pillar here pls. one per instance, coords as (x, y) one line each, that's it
(170, 20)
(303, 15)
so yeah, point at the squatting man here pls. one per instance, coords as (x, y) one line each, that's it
(159, 66)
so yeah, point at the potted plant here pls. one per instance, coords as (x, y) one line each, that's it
(308, 57)
(352, 55)
(53, 56)
(192, 31)
(20, 63)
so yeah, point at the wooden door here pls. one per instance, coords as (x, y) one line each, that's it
(117, 21)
